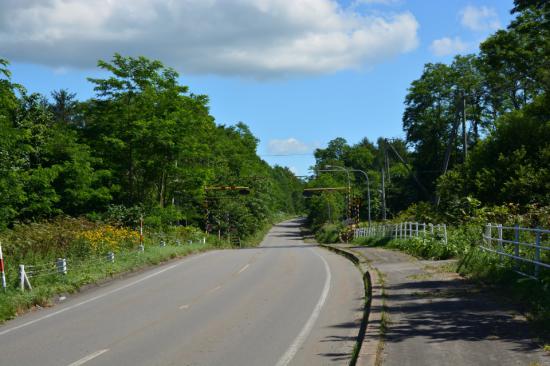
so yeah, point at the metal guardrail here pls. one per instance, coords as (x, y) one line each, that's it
(528, 249)
(403, 230)
(62, 265)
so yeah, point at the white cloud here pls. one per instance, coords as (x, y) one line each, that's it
(253, 38)
(290, 145)
(293, 169)
(449, 46)
(383, 2)
(480, 19)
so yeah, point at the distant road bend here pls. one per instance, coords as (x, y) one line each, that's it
(283, 303)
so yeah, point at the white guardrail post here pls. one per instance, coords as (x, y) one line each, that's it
(62, 266)
(2, 268)
(23, 279)
(516, 246)
(537, 253)
(500, 248)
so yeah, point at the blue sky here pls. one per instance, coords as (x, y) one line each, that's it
(298, 72)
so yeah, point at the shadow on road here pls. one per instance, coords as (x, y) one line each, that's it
(444, 311)
(284, 246)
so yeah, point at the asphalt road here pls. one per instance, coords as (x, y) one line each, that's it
(284, 303)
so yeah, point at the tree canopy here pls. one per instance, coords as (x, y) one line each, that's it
(144, 144)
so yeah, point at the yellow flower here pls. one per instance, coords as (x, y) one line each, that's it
(109, 238)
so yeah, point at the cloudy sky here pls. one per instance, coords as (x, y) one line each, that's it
(299, 72)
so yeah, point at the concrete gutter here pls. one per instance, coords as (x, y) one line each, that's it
(369, 340)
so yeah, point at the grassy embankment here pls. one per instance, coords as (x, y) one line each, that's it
(85, 245)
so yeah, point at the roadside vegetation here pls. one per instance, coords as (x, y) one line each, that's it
(78, 176)
(476, 151)
(85, 245)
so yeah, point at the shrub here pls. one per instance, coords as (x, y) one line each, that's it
(328, 233)
(120, 215)
(163, 217)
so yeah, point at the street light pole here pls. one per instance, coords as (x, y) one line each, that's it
(368, 188)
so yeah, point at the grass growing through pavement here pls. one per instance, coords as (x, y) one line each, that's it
(384, 318)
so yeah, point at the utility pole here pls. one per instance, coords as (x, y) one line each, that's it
(368, 189)
(387, 164)
(448, 153)
(383, 198)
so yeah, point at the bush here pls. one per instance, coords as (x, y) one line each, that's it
(163, 217)
(44, 240)
(421, 212)
(328, 233)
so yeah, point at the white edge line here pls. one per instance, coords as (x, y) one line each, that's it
(214, 289)
(6, 331)
(299, 340)
(91, 356)
(243, 269)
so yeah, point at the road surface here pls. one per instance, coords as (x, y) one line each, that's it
(284, 303)
(438, 318)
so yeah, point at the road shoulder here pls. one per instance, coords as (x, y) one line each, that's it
(426, 314)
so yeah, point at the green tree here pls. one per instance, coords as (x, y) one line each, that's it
(11, 157)
(146, 127)
(64, 106)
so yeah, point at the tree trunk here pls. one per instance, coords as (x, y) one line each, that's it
(162, 188)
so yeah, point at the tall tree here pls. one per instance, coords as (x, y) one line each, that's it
(145, 126)
(64, 105)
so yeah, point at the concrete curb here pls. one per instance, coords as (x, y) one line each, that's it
(369, 341)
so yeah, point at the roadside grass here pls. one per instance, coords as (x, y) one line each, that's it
(328, 233)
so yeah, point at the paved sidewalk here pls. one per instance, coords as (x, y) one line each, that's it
(437, 318)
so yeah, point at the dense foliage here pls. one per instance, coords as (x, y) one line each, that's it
(144, 145)
(477, 135)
